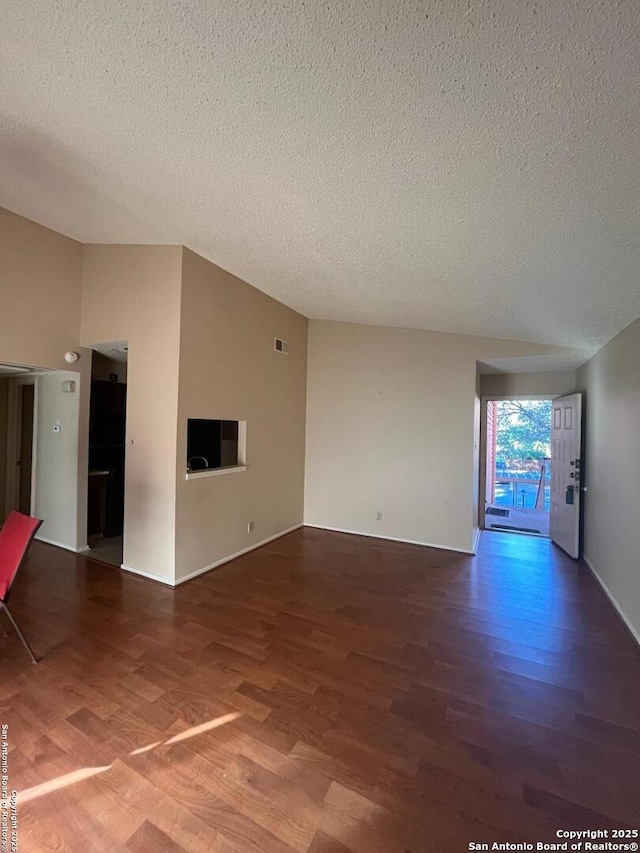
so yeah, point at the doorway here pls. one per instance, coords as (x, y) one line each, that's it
(518, 466)
(17, 439)
(25, 460)
(107, 423)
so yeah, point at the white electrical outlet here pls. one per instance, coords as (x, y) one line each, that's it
(378, 516)
(250, 527)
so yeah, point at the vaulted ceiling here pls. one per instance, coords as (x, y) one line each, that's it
(467, 167)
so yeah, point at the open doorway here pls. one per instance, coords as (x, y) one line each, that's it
(518, 465)
(17, 438)
(107, 423)
(25, 443)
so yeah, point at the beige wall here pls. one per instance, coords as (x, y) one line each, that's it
(392, 426)
(229, 370)
(611, 382)
(40, 295)
(547, 384)
(132, 293)
(40, 287)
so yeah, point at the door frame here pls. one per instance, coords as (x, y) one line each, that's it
(14, 418)
(486, 398)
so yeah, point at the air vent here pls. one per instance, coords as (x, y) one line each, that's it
(281, 346)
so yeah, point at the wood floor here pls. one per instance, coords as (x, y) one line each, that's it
(326, 693)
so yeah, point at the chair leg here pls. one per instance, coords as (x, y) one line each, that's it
(34, 659)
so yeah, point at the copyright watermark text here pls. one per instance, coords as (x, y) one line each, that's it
(587, 840)
(8, 799)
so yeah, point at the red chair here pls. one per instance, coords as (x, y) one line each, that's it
(15, 538)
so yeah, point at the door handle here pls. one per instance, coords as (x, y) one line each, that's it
(568, 498)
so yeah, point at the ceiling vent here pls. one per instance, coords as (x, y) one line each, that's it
(281, 346)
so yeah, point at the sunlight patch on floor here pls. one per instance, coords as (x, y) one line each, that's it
(146, 748)
(205, 727)
(59, 783)
(88, 772)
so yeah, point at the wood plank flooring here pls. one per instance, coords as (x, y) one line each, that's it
(324, 694)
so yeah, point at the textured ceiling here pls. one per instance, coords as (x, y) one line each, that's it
(468, 167)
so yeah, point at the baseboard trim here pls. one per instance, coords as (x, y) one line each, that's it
(146, 575)
(620, 612)
(237, 554)
(390, 538)
(57, 544)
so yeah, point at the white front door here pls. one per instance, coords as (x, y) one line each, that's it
(565, 473)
